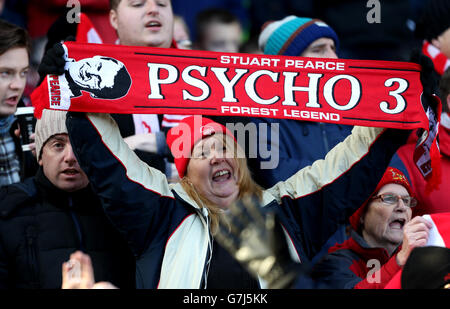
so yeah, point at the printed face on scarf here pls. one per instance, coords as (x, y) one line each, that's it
(321, 48)
(95, 73)
(13, 77)
(143, 22)
(60, 165)
(213, 170)
(382, 223)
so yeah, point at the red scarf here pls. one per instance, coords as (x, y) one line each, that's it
(440, 61)
(170, 81)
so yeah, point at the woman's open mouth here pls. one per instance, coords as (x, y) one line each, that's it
(221, 175)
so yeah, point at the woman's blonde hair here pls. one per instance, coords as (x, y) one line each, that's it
(247, 186)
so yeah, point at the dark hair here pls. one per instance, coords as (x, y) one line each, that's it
(12, 36)
(444, 89)
(208, 16)
(113, 4)
(434, 19)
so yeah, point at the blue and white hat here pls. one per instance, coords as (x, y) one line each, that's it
(292, 35)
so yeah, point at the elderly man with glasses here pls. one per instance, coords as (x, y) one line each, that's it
(382, 237)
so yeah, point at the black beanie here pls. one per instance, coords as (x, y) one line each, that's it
(60, 30)
(434, 20)
(426, 268)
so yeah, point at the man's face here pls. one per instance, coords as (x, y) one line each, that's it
(13, 77)
(383, 224)
(143, 22)
(181, 35)
(220, 37)
(443, 43)
(60, 165)
(321, 48)
(94, 73)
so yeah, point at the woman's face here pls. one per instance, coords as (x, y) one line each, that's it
(382, 223)
(213, 171)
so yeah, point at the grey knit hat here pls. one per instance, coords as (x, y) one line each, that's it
(51, 123)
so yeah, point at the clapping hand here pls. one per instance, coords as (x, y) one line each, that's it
(256, 240)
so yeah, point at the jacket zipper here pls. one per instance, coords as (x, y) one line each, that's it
(325, 137)
(77, 225)
(32, 256)
(205, 215)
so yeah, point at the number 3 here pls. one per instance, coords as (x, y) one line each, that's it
(401, 103)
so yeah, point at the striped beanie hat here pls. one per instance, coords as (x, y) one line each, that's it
(292, 35)
(51, 123)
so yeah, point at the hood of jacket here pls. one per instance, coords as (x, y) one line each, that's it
(357, 244)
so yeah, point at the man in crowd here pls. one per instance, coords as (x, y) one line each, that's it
(48, 217)
(14, 64)
(149, 24)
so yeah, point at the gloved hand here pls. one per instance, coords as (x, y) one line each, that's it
(429, 79)
(256, 240)
(53, 60)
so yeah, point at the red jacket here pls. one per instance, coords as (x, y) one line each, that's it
(438, 200)
(354, 265)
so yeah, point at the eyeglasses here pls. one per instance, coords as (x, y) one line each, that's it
(393, 199)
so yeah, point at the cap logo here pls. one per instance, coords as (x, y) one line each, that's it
(397, 176)
(207, 130)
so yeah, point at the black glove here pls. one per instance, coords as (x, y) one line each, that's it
(430, 100)
(255, 239)
(429, 79)
(428, 76)
(53, 61)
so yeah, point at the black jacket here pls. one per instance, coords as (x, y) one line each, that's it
(40, 226)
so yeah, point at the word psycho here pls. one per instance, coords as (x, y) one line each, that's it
(256, 84)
